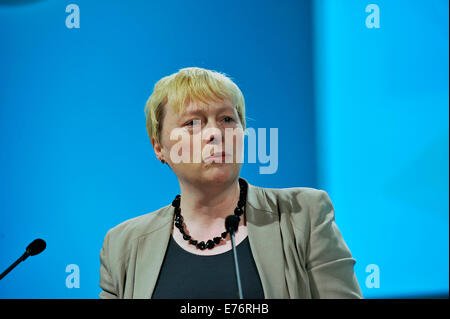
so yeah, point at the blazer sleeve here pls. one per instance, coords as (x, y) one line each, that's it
(329, 262)
(106, 279)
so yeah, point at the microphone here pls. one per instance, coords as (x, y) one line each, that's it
(231, 225)
(36, 247)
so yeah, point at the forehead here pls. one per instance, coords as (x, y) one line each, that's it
(211, 107)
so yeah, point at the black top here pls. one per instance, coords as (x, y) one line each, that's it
(185, 275)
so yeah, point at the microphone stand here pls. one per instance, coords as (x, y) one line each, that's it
(236, 265)
(18, 261)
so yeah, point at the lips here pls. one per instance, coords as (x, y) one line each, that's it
(217, 155)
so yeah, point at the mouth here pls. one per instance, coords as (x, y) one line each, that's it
(218, 155)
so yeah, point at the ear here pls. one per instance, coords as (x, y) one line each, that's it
(158, 149)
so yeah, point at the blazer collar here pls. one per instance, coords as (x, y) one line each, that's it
(264, 236)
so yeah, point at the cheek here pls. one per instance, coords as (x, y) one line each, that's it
(184, 149)
(235, 140)
(180, 144)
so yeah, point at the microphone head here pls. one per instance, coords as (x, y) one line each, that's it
(232, 223)
(36, 247)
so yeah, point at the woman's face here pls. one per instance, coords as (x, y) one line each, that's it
(189, 139)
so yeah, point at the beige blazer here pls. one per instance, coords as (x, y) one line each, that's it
(298, 249)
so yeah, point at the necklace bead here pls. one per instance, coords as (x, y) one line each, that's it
(210, 244)
(238, 211)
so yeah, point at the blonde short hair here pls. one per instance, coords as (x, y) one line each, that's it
(190, 85)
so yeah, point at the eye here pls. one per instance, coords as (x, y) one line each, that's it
(191, 122)
(228, 119)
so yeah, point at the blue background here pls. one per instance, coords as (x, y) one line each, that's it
(361, 113)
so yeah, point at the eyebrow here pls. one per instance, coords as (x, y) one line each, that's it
(199, 111)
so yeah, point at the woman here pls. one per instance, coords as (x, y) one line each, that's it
(287, 241)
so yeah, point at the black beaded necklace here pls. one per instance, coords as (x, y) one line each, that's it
(238, 211)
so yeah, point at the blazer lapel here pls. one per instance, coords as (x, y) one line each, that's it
(150, 255)
(263, 229)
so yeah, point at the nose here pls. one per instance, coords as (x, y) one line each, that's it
(213, 133)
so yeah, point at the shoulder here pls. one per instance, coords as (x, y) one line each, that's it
(305, 207)
(272, 199)
(126, 233)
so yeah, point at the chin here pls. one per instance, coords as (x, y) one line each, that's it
(218, 174)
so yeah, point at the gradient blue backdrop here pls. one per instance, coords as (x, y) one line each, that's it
(361, 113)
(382, 130)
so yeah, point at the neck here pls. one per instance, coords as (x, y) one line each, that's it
(206, 205)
